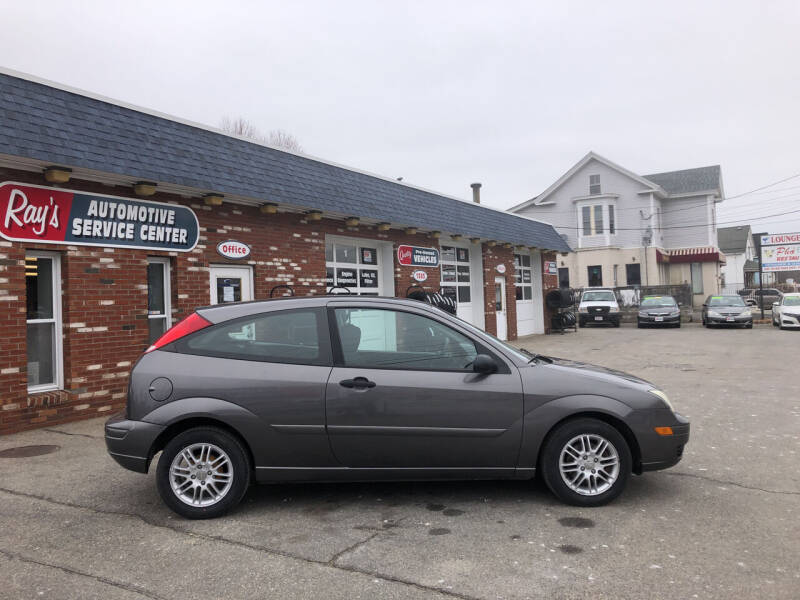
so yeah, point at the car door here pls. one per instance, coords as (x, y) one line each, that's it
(402, 394)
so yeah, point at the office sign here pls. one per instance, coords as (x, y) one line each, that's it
(32, 213)
(416, 256)
(233, 249)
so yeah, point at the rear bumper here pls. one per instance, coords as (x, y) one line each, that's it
(129, 442)
(662, 452)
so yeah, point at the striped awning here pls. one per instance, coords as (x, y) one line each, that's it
(685, 255)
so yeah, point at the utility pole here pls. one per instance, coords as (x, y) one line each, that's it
(761, 276)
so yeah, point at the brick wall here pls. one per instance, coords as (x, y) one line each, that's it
(104, 296)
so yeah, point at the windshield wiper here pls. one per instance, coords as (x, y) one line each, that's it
(533, 355)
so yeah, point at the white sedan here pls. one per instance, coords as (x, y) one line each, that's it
(786, 313)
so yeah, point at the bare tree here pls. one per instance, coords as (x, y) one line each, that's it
(276, 138)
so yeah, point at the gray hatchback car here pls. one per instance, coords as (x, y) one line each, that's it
(343, 388)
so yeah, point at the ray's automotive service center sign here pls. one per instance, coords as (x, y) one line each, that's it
(30, 213)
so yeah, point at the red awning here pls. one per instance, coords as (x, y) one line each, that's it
(687, 255)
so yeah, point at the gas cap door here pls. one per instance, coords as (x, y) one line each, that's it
(160, 389)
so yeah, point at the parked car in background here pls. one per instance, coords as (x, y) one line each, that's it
(769, 295)
(726, 310)
(786, 313)
(659, 311)
(347, 388)
(598, 305)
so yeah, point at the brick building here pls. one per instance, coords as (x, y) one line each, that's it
(117, 222)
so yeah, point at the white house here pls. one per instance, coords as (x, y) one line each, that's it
(631, 230)
(740, 254)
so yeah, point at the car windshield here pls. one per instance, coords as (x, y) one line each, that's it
(791, 301)
(726, 301)
(658, 301)
(601, 296)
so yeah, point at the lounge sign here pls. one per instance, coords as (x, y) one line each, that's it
(415, 256)
(31, 213)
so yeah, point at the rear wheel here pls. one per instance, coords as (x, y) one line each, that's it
(586, 462)
(203, 473)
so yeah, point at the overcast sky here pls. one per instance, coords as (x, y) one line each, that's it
(510, 94)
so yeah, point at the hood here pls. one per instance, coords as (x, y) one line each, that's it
(595, 371)
(586, 303)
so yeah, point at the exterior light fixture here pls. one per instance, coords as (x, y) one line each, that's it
(57, 174)
(411, 230)
(474, 240)
(270, 208)
(384, 226)
(213, 199)
(352, 221)
(491, 243)
(521, 247)
(314, 215)
(508, 246)
(456, 236)
(144, 188)
(436, 234)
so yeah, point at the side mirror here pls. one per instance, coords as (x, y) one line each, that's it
(705, 305)
(484, 364)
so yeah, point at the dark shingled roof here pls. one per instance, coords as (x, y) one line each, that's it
(50, 124)
(733, 240)
(701, 179)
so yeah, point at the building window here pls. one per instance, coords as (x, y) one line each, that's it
(352, 265)
(455, 273)
(592, 219)
(612, 226)
(595, 276)
(563, 277)
(697, 278)
(159, 310)
(43, 300)
(524, 276)
(594, 185)
(633, 274)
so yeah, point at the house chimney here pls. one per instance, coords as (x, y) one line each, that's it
(476, 192)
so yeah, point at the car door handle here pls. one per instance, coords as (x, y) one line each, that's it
(357, 383)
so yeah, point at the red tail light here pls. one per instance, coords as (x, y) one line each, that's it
(190, 324)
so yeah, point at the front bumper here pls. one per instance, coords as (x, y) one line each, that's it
(727, 320)
(129, 442)
(789, 321)
(664, 451)
(651, 320)
(599, 318)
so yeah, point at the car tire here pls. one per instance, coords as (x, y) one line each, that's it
(616, 323)
(748, 326)
(231, 473)
(563, 440)
(639, 325)
(678, 324)
(581, 323)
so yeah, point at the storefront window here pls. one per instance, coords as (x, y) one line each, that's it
(353, 266)
(158, 296)
(43, 300)
(524, 278)
(456, 273)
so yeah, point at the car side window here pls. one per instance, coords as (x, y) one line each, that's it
(392, 339)
(286, 336)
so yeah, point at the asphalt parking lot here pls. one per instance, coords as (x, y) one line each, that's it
(724, 523)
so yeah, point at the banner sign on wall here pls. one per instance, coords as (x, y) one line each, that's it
(785, 257)
(416, 256)
(31, 213)
(550, 267)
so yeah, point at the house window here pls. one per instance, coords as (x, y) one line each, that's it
(353, 266)
(43, 300)
(563, 277)
(595, 276)
(592, 219)
(697, 278)
(612, 226)
(633, 274)
(522, 265)
(159, 313)
(594, 185)
(455, 274)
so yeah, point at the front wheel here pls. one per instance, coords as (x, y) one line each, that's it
(586, 462)
(203, 473)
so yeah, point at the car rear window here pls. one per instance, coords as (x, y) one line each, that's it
(286, 336)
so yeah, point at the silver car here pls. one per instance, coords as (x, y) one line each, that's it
(344, 388)
(786, 313)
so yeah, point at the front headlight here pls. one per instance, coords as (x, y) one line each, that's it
(663, 396)
(713, 313)
(614, 309)
(746, 313)
(643, 314)
(675, 313)
(583, 309)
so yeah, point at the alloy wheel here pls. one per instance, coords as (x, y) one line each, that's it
(589, 464)
(201, 474)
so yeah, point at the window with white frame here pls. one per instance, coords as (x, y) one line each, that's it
(43, 304)
(594, 185)
(524, 277)
(592, 217)
(353, 265)
(159, 311)
(612, 221)
(456, 274)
